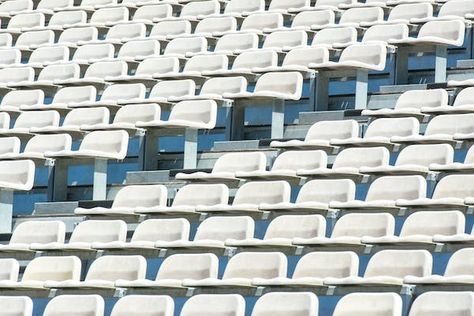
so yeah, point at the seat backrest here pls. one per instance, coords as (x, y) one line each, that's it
(400, 263)
(286, 303)
(113, 143)
(143, 48)
(165, 28)
(221, 85)
(459, 9)
(433, 223)
(37, 119)
(450, 31)
(35, 38)
(362, 157)
(110, 15)
(388, 127)
(374, 304)
(261, 21)
(305, 56)
(249, 265)
(68, 17)
(17, 175)
(410, 10)
(189, 266)
(17, 74)
(360, 225)
(325, 191)
(133, 113)
(202, 194)
(422, 98)
(26, 20)
(451, 124)
(226, 227)
(61, 268)
(75, 94)
(424, 155)
(99, 231)
(300, 159)
(464, 97)
(10, 56)
(94, 3)
(181, 46)
(317, 17)
(460, 263)
(93, 51)
(201, 9)
(240, 41)
(10, 145)
(216, 24)
(80, 305)
(282, 39)
(9, 269)
(214, 305)
(44, 143)
(16, 98)
(162, 230)
(386, 32)
(16, 305)
(16, 5)
(289, 84)
(257, 192)
(142, 305)
(59, 72)
(241, 6)
(288, 4)
(340, 35)
(301, 226)
(207, 62)
(327, 264)
(443, 303)
(49, 54)
(397, 187)
(87, 116)
(203, 112)
(6, 40)
(258, 58)
(127, 31)
(159, 65)
(373, 56)
(112, 268)
(328, 130)
(53, 4)
(124, 91)
(106, 68)
(132, 196)
(455, 186)
(149, 12)
(240, 161)
(357, 15)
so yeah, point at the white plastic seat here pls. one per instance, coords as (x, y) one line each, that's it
(85, 233)
(315, 196)
(91, 53)
(147, 68)
(9, 269)
(48, 75)
(21, 22)
(190, 196)
(12, 75)
(59, 19)
(28, 120)
(241, 8)
(151, 12)
(419, 229)
(64, 97)
(196, 65)
(164, 30)
(450, 11)
(142, 305)
(251, 196)
(105, 17)
(17, 305)
(350, 229)
(380, 131)
(388, 268)
(385, 32)
(17, 175)
(92, 305)
(213, 27)
(213, 232)
(148, 233)
(282, 230)
(415, 159)
(441, 303)
(177, 268)
(9, 145)
(340, 36)
(104, 271)
(12, 101)
(320, 135)
(9, 57)
(376, 304)
(286, 164)
(121, 33)
(385, 192)
(128, 199)
(44, 56)
(38, 145)
(406, 13)
(283, 6)
(304, 304)
(6, 40)
(308, 20)
(165, 89)
(243, 268)
(47, 6)
(456, 167)
(71, 37)
(232, 43)
(411, 102)
(214, 305)
(285, 40)
(226, 166)
(9, 8)
(90, 5)
(356, 16)
(181, 47)
(134, 51)
(462, 104)
(450, 192)
(313, 268)
(42, 270)
(28, 41)
(258, 22)
(349, 161)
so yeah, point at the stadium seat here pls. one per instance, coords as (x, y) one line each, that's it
(250, 196)
(75, 304)
(385, 193)
(149, 13)
(350, 229)
(462, 104)
(29, 41)
(141, 305)
(17, 305)
(9, 269)
(313, 268)
(193, 11)
(415, 159)
(12, 75)
(13, 100)
(27, 120)
(99, 146)
(84, 234)
(232, 43)
(105, 17)
(47, 7)
(177, 268)
(182, 47)
(9, 57)
(66, 18)
(376, 304)
(43, 56)
(134, 51)
(21, 22)
(258, 22)
(189, 197)
(163, 29)
(354, 17)
(440, 303)
(340, 36)
(212, 27)
(9, 146)
(10, 8)
(104, 271)
(214, 305)
(120, 33)
(6, 39)
(128, 199)
(456, 167)
(91, 53)
(240, 8)
(450, 11)
(304, 304)
(384, 33)
(405, 13)
(71, 37)
(309, 20)
(388, 268)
